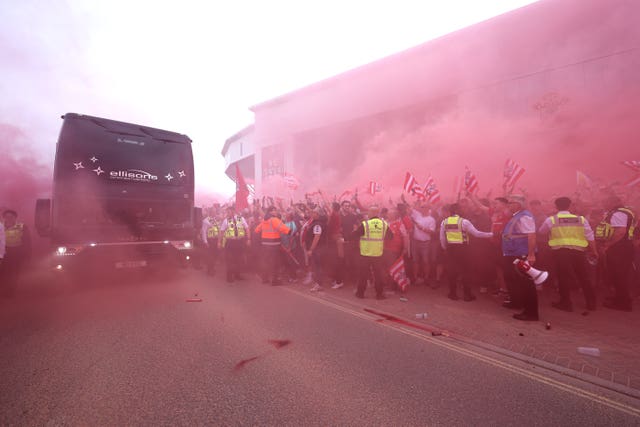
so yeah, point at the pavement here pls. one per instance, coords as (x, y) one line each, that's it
(484, 322)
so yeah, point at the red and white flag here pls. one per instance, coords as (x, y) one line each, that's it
(633, 164)
(374, 187)
(409, 182)
(430, 191)
(291, 181)
(412, 187)
(399, 274)
(470, 180)
(633, 182)
(418, 191)
(512, 173)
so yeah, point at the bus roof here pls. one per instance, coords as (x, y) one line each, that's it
(131, 129)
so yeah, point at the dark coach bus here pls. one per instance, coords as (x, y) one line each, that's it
(123, 196)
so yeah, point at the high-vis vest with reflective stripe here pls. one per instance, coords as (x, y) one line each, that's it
(13, 235)
(372, 242)
(515, 244)
(271, 229)
(232, 224)
(567, 231)
(604, 231)
(453, 231)
(214, 231)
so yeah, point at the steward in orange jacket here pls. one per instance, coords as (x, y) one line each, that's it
(270, 229)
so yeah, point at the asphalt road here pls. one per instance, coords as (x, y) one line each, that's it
(134, 352)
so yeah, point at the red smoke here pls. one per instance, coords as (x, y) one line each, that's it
(553, 86)
(23, 178)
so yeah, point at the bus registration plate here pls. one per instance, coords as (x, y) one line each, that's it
(131, 264)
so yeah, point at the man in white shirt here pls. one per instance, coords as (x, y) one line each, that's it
(519, 241)
(424, 228)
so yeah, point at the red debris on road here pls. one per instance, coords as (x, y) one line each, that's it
(279, 343)
(241, 363)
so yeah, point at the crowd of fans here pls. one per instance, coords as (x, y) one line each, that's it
(322, 244)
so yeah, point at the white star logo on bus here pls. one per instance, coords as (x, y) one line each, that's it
(78, 165)
(98, 171)
(182, 174)
(93, 159)
(168, 176)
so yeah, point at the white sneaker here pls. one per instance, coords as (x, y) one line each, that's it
(316, 288)
(337, 285)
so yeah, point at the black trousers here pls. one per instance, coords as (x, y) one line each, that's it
(619, 260)
(568, 261)
(211, 255)
(351, 261)
(522, 290)
(11, 270)
(459, 265)
(233, 256)
(367, 264)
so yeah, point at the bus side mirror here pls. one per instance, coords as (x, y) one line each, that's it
(43, 217)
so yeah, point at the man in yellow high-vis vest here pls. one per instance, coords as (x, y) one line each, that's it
(17, 251)
(617, 248)
(570, 238)
(234, 237)
(372, 232)
(454, 239)
(209, 235)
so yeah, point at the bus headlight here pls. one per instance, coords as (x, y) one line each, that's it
(61, 250)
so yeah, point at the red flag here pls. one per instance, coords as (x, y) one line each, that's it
(399, 274)
(242, 192)
(512, 173)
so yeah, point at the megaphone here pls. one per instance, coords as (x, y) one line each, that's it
(538, 276)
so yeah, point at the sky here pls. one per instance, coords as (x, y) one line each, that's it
(193, 67)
